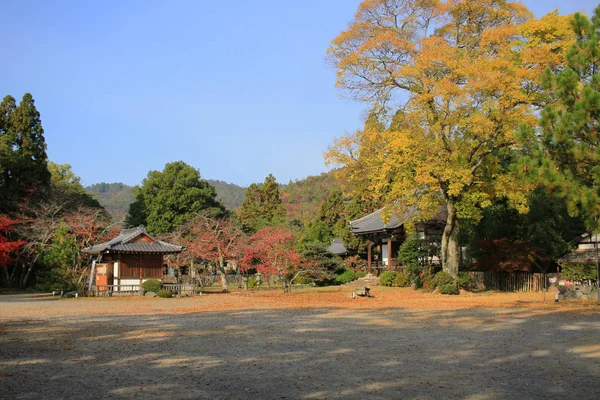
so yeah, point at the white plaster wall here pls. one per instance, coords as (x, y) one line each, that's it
(132, 281)
(116, 270)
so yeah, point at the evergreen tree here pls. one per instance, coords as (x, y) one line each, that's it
(262, 206)
(167, 199)
(565, 154)
(23, 160)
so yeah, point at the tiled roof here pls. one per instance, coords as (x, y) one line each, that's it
(579, 256)
(586, 252)
(373, 222)
(124, 244)
(337, 247)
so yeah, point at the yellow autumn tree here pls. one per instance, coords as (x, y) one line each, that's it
(449, 84)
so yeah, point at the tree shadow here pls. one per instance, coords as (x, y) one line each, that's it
(305, 354)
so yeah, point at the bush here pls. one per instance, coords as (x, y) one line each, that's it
(410, 254)
(164, 293)
(577, 272)
(449, 288)
(463, 280)
(252, 282)
(353, 262)
(416, 283)
(442, 278)
(361, 274)
(402, 279)
(152, 285)
(345, 277)
(388, 278)
(49, 280)
(426, 281)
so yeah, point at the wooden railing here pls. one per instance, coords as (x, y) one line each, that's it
(180, 288)
(110, 290)
(119, 290)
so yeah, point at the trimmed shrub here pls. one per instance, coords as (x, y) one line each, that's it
(442, 278)
(345, 277)
(463, 280)
(164, 293)
(402, 279)
(361, 274)
(152, 285)
(449, 288)
(388, 278)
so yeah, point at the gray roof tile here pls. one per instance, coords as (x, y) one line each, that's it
(123, 243)
(373, 223)
(337, 247)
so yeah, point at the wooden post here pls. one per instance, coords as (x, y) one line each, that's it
(389, 253)
(92, 277)
(369, 255)
(140, 261)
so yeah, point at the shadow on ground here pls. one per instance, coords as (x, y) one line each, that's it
(305, 354)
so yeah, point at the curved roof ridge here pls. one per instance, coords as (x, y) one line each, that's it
(123, 242)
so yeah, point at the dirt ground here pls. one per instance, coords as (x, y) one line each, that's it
(311, 344)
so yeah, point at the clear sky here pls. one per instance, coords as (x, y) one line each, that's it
(238, 89)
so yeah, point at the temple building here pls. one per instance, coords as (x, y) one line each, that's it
(130, 258)
(387, 237)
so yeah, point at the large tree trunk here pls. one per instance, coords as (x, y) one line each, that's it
(223, 275)
(450, 242)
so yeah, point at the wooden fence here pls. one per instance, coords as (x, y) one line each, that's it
(513, 281)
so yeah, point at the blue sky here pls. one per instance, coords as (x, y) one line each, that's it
(238, 89)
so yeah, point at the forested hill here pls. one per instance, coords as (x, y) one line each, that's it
(116, 197)
(230, 194)
(303, 198)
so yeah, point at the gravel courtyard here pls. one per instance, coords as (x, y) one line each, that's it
(311, 344)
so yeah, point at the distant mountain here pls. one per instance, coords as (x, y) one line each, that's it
(303, 198)
(114, 197)
(230, 194)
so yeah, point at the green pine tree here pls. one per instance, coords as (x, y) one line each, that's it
(565, 155)
(262, 206)
(23, 159)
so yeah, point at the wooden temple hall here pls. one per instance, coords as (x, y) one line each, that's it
(387, 237)
(130, 258)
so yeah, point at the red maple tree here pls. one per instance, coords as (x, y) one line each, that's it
(7, 246)
(216, 241)
(270, 251)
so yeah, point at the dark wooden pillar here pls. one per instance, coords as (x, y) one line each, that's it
(369, 255)
(140, 265)
(389, 253)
